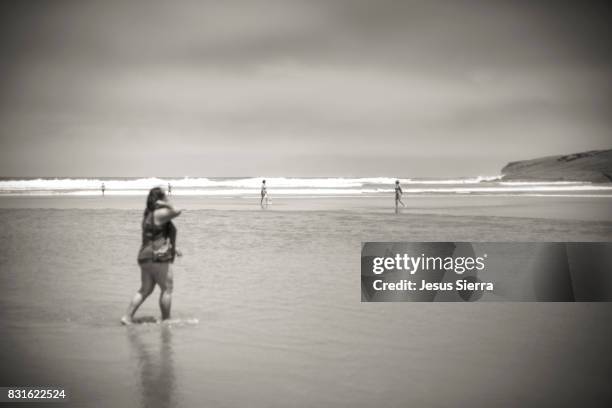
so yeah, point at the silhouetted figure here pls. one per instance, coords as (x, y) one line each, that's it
(398, 196)
(264, 195)
(103, 188)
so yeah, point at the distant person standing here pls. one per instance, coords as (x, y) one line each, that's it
(169, 189)
(103, 188)
(398, 196)
(264, 195)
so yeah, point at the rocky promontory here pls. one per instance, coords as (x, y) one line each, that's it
(593, 166)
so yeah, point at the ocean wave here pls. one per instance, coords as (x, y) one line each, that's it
(60, 184)
(471, 180)
(491, 188)
(542, 183)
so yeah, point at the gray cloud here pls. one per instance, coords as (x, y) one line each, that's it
(275, 86)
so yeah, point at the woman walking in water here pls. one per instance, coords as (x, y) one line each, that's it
(398, 196)
(156, 253)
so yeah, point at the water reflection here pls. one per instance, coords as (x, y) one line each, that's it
(154, 357)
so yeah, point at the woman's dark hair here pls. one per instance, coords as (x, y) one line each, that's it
(155, 194)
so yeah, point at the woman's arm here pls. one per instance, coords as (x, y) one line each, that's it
(172, 236)
(164, 213)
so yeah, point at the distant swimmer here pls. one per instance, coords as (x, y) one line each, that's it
(156, 253)
(398, 196)
(264, 195)
(103, 188)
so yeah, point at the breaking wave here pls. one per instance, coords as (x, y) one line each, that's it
(285, 186)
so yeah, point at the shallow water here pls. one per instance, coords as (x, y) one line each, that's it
(276, 296)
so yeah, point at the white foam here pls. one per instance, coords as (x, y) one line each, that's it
(201, 186)
(203, 182)
(542, 183)
(474, 180)
(510, 189)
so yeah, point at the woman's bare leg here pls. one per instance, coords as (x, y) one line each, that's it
(166, 284)
(146, 287)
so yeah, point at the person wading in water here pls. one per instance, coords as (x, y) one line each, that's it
(264, 195)
(156, 253)
(398, 196)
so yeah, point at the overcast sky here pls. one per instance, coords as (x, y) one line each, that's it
(299, 88)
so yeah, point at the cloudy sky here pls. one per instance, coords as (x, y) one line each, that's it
(299, 88)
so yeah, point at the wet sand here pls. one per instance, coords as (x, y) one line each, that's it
(276, 297)
(567, 207)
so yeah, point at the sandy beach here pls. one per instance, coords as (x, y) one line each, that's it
(489, 120)
(267, 309)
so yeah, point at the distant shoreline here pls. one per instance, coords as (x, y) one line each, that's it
(299, 187)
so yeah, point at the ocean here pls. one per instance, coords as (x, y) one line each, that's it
(266, 306)
(282, 186)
